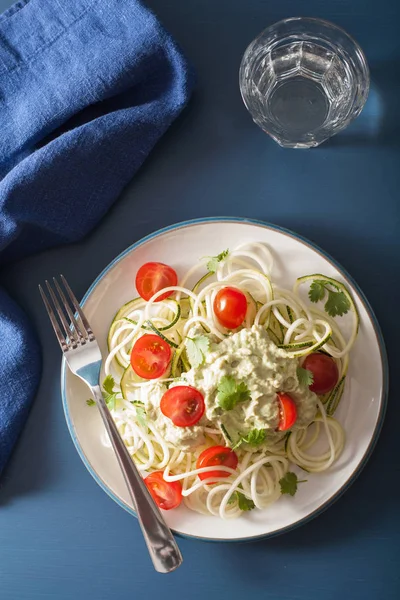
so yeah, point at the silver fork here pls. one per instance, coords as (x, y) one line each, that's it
(83, 356)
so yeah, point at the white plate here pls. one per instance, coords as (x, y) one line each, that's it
(361, 410)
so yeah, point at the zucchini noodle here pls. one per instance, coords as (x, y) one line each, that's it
(293, 324)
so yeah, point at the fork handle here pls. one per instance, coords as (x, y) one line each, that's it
(163, 549)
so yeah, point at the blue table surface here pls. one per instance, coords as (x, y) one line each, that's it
(61, 537)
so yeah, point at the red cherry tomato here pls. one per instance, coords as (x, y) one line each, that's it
(150, 356)
(153, 277)
(230, 307)
(166, 494)
(324, 370)
(216, 455)
(287, 410)
(183, 404)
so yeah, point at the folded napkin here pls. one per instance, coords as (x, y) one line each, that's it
(87, 87)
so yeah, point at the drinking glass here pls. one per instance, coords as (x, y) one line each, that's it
(303, 80)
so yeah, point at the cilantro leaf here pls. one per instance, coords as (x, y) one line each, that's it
(337, 303)
(212, 264)
(317, 291)
(90, 402)
(108, 384)
(230, 392)
(242, 391)
(289, 483)
(305, 376)
(227, 385)
(243, 501)
(110, 396)
(196, 349)
(255, 437)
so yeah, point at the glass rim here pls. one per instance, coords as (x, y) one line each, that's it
(325, 22)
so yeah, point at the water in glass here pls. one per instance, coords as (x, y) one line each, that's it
(303, 80)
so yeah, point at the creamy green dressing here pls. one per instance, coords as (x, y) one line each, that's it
(248, 356)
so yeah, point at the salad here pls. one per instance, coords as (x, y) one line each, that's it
(224, 391)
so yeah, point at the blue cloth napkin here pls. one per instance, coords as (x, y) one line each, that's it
(87, 87)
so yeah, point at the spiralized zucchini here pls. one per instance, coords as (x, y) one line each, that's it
(292, 323)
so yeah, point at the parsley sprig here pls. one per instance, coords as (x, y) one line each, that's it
(197, 348)
(254, 438)
(289, 483)
(305, 376)
(244, 503)
(230, 392)
(212, 264)
(109, 395)
(337, 303)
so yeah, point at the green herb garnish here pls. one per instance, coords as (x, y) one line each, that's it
(212, 264)
(254, 438)
(337, 303)
(304, 376)
(244, 503)
(109, 395)
(230, 392)
(196, 349)
(289, 483)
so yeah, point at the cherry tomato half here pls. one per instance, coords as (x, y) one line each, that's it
(216, 455)
(153, 277)
(324, 370)
(150, 356)
(230, 307)
(287, 411)
(183, 404)
(166, 494)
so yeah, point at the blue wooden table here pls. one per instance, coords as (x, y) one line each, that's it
(61, 537)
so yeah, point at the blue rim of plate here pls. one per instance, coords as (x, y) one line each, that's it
(382, 351)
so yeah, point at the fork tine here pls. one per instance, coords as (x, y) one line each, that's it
(69, 333)
(71, 315)
(78, 308)
(61, 340)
